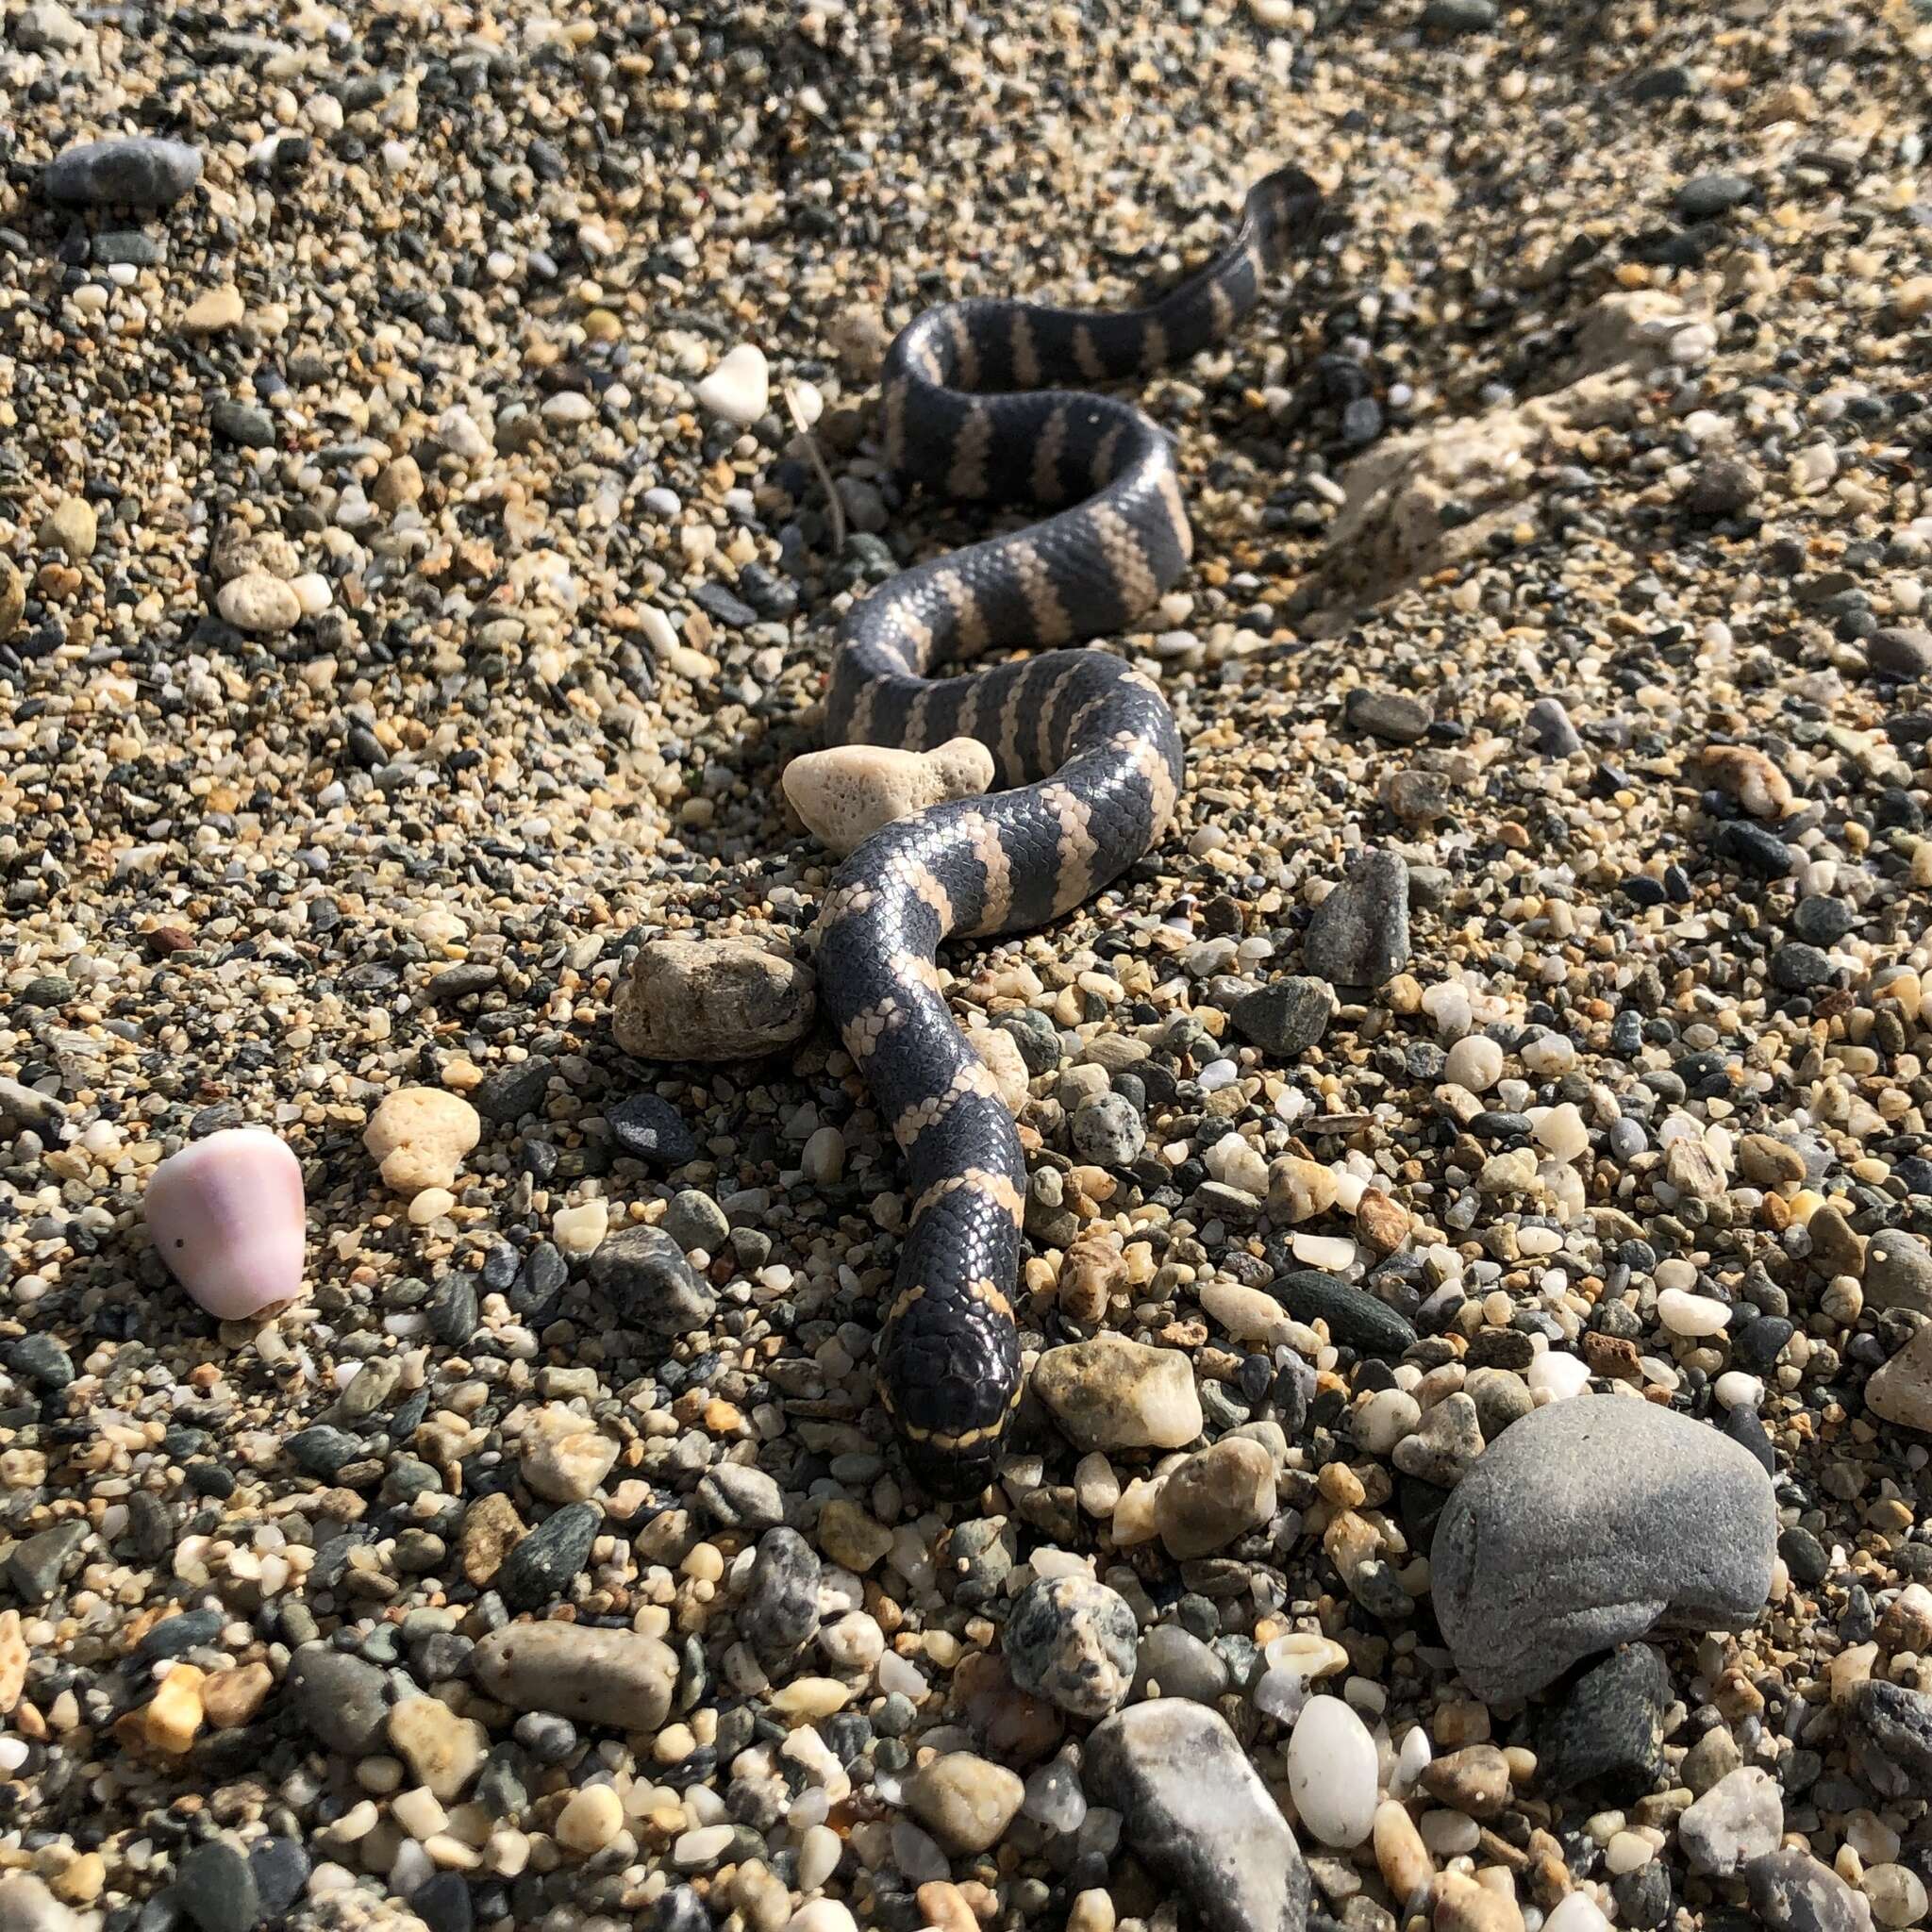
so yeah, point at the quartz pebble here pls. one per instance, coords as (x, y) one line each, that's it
(1331, 1772)
(738, 387)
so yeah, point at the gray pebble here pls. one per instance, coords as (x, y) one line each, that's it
(641, 1272)
(342, 1701)
(1359, 933)
(1072, 1641)
(141, 171)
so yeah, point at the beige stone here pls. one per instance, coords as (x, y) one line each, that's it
(212, 311)
(999, 1054)
(262, 605)
(1215, 1496)
(1901, 1392)
(1747, 776)
(712, 1000)
(12, 600)
(13, 1660)
(846, 792)
(419, 1136)
(444, 1751)
(71, 526)
(174, 1713)
(1111, 1394)
(964, 1801)
(232, 1697)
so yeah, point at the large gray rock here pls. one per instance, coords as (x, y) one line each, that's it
(1586, 1524)
(1196, 1810)
(139, 172)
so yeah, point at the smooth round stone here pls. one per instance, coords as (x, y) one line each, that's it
(227, 1215)
(1692, 1314)
(1474, 1062)
(964, 1801)
(259, 604)
(1331, 1772)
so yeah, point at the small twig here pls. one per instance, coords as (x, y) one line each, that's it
(818, 463)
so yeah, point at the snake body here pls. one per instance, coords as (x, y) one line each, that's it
(979, 404)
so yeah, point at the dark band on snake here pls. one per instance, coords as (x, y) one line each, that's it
(979, 406)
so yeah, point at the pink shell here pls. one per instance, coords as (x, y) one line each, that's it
(227, 1215)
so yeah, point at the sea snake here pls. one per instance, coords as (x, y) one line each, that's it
(1087, 763)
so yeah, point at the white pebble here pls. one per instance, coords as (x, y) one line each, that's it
(818, 1856)
(1557, 1374)
(1692, 1314)
(1734, 1388)
(1475, 1062)
(577, 1230)
(1385, 1419)
(1575, 1913)
(821, 1915)
(1238, 1163)
(740, 388)
(1331, 1772)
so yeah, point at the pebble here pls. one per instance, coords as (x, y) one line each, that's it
(1332, 1773)
(712, 1000)
(1359, 933)
(1391, 716)
(1740, 1818)
(214, 1884)
(964, 1801)
(1286, 1017)
(1194, 1809)
(1216, 1495)
(846, 794)
(341, 1700)
(418, 1136)
(738, 388)
(1606, 1730)
(1074, 1643)
(1791, 1891)
(227, 1216)
(539, 1566)
(138, 171)
(1901, 1390)
(1547, 729)
(642, 1273)
(1111, 1394)
(589, 1820)
(1584, 1526)
(621, 1678)
(1354, 1316)
(257, 604)
(1888, 1728)
(653, 1131)
(1898, 1272)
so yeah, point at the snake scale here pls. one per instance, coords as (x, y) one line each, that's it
(979, 404)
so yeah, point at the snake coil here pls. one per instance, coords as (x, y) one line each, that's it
(978, 405)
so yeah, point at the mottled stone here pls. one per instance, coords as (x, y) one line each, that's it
(1194, 1809)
